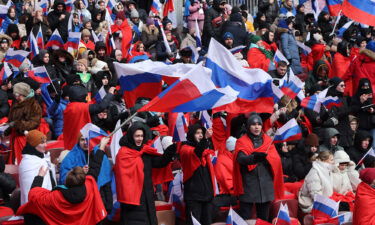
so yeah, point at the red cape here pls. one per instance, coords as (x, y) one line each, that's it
(224, 171)
(53, 209)
(219, 135)
(76, 116)
(364, 207)
(127, 33)
(190, 162)
(245, 145)
(257, 59)
(340, 65)
(130, 176)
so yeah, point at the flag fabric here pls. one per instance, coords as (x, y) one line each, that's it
(143, 79)
(111, 4)
(157, 145)
(69, 5)
(55, 41)
(234, 219)
(169, 11)
(115, 142)
(34, 49)
(44, 5)
(314, 102)
(73, 41)
(100, 95)
(341, 31)
(39, 38)
(362, 11)
(186, 8)
(198, 36)
(165, 41)
(4, 10)
(292, 86)
(180, 128)
(316, 8)
(237, 49)
(155, 7)
(195, 91)
(340, 219)
(15, 57)
(279, 56)
(93, 133)
(283, 217)
(334, 7)
(324, 207)
(39, 74)
(290, 131)
(330, 102)
(195, 221)
(256, 90)
(370, 152)
(176, 196)
(206, 119)
(305, 49)
(5, 72)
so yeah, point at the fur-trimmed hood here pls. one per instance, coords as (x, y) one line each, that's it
(148, 30)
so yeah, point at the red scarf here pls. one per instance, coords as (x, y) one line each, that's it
(54, 209)
(130, 176)
(245, 145)
(76, 116)
(190, 162)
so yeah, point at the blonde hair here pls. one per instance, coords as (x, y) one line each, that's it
(324, 155)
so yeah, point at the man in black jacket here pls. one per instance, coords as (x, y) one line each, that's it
(59, 19)
(213, 19)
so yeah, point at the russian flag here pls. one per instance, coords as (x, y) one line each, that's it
(288, 132)
(5, 72)
(93, 133)
(176, 196)
(279, 57)
(334, 7)
(168, 11)
(340, 32)
(144, 79)
(193, 92)
(314, 102)
(44, 5)
(370, 152)
(69, 5)
(16, 57)
(293, 86)
(256, 90)
(39, 38)
(283, 216)
(330, 102)
(55, 41)
(100, 95)
(305, 49)
(180, 128)
(340, 219)
(205, 119)
(362, 11)
(34, 50)
(115, 142)
(39, 74)
(234, 219)
(111, 4)
(198, 36)
(237, 49)
(156, 7)
(73, 41)
(4, 9)
(324, 207)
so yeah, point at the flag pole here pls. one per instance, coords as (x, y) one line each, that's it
(88, 150)
(337, 21)
(54, 88)
(123, 124)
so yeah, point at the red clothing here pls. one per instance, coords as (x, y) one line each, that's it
(270, 47)
(54, 209)
(340, 65)
(363, 66)
(89, 45)
(224, 171)
(126, 41)
(130, 176)
(162, 129)
(257, 59)
(219, 135)
(364, 207)
(76, 116)
(190, 162)
(245, 145)
(316, 54)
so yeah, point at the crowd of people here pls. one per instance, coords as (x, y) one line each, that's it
(333, 157)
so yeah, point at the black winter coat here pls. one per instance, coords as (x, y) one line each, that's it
(209, 30)
(238, 30)
(301, 161)
(4, 105)
(356, 152)
(270, 10)
(55, 23)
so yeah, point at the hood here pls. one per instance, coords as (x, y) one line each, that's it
(342, 47)
(361, 91)
(341, 157)
(318, 65)
(59, 2)
(74, 195)
(216, 4)
(192, 130)
(128, 140)
(77, 94)
(359, 137)
(329, 133)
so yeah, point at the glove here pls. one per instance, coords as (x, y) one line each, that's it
(259, 156)
(334, 121)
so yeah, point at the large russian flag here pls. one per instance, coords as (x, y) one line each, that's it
(256, 90)
(362, 11)
(288, 132)
(334, 7)
(144, 79)
(39, 74)
(193, 92)
(55, 41)
(16, 57)
(324, 207)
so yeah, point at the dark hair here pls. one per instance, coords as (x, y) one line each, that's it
(282, 64)
(244, 14)
(76, 177)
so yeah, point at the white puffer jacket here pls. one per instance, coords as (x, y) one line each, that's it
(346, 180)
(317, 181)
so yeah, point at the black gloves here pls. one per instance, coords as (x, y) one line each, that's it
(259, 157)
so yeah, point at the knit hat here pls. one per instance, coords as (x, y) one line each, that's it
(312, 140)
(371, 46)
(283, 24)
(334, 81)
(255, 38)
(254, 118)
(150, 21)
(35, 137)
(166, 21)
(367, 175)
(83, 61)
(228, 35)
(22, 89)
(134, 14)
(121, 15)
(231, 143)
(85, 32)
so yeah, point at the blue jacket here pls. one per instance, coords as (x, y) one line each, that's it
(56, 113)
(6, 23)
(290, 50)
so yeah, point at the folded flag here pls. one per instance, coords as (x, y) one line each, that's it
(334, 7)
(44, 5)
(55, 41)
(288, 132)
(283, 216)
(115, 142)
(324, 207)
(157, 145)
(279, 56)
(256, 90)
(100, 95)
(180, 127)
(234, 219)
(39, 74)
(5, 72)
(155, 7)
(93, 134)
(144, 79)
(237, 49)
(193, 92)
(292, 86)
(362, 11)
(205, 119)
(4, 10)
(34, 49)
(15, 57)
(305, 49)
